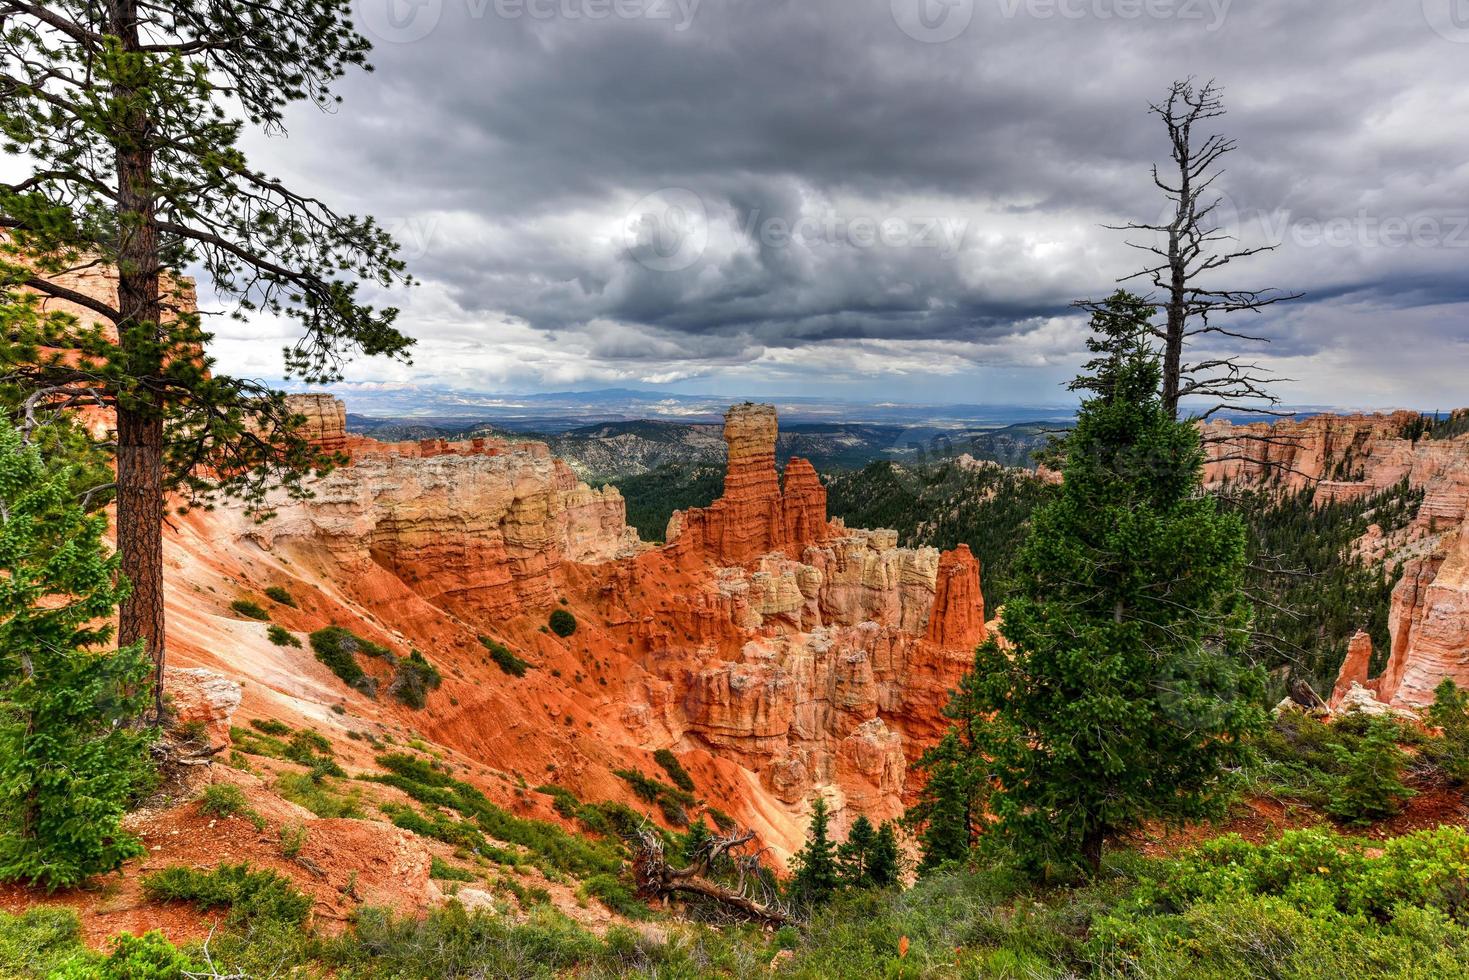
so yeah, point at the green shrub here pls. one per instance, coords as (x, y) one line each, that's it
(147, 957)
(414, 679)
(292, 840)
(1370, 787)
(250, 610)
(504, 658)
(1450, 713)
(278, 593)
(40, 941)
(225, 800)
(281, 636)
(337, 648)
(675, 769)
(562, 623)
(563, 800)
(251, 896)
(616, 894)
(443, 871)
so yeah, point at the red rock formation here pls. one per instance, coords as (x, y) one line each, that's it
(1354, 669)
(325, 424)
(958, 607)
(1348, 457)
(754, 516)
(777, 653)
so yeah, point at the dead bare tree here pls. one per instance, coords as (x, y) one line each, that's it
(753, 897)
(1197, 245)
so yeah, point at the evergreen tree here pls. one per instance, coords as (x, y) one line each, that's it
(950, 805)
(854, 856)
(882, 866)
(68, 762)
(1450, 713)
(1119, 702)
(129, 117)
(695, 840)
(1370, 786)
(816, 878)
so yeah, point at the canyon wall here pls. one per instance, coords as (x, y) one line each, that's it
(777, 653)
(1348, 457)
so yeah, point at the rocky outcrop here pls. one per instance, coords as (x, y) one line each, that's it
(324, 421)
(1429, 623)
(196, 696)
(1347, 457)
(755, 516)
(477, 529)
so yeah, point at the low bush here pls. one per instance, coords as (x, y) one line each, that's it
(337, 648)
(277, 593)
(562, 623)
(281, 636)
(414, 679)
(251, 896)
(549, 843)
(563, 800)
(504, 658)
(250, 610)
(675, 769)
(269, 726)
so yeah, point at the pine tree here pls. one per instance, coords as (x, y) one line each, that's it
(854, 856)
(882, 866)
(129, 117)
(695, 840)
(1119, 702)
(949, 807)
(68, 762)
(1370, 786)
(816, 878)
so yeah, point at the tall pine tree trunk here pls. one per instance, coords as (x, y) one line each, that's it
(139, 412)
(1091, 847)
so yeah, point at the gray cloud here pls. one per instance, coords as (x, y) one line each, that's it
(870, 205)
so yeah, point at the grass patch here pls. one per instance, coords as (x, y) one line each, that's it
(441, 870)
(278, 593)
(315, 794)
(226, 800)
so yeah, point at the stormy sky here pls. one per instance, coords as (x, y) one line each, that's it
(886, 199)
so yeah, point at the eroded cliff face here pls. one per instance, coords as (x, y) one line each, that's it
(777, 653)
(1347, 457)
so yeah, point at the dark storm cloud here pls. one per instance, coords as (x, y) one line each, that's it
(820, 178)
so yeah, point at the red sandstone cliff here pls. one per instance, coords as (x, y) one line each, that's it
(1345, 457)
(777, 653)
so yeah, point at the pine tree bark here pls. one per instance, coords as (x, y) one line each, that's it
(139, 412)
